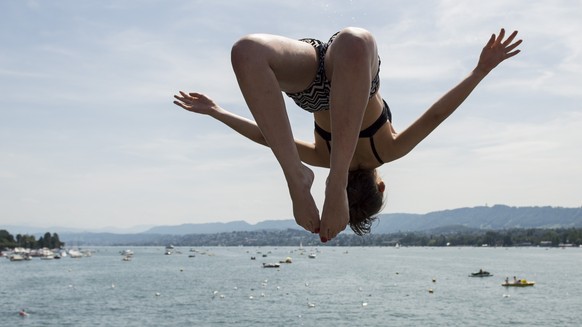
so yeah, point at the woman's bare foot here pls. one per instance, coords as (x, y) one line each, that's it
(336, 215)
(304, 209)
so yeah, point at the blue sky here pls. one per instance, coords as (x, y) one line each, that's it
(89, 136)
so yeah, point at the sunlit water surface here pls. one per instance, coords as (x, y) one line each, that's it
(340, 287)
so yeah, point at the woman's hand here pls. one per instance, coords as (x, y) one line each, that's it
(496, 51)
(196, 102)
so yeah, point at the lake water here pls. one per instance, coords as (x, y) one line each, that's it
(340, 287)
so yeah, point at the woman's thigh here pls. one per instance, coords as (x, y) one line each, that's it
(293, 62)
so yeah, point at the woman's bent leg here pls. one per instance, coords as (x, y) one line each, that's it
(350, 61)
(252, 61)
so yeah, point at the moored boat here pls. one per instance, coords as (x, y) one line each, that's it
(287, 260)
(271, 265)
(126, 252)
(481, 273)
(16, 257)
(75, 254)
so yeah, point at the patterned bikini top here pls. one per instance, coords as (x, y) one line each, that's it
(316, 97)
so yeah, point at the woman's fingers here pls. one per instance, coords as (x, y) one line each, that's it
(500, 37)
(510, 39)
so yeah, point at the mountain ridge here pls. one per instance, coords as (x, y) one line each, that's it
(497, 217)
(483, 217)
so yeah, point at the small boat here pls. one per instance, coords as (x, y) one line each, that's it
(481, 273)
(287, 260)
(75, 254)
(312, 256)
(169, 249)
(43, 254)
(518, 283)
(271, 265)
(126, 253)
(16, 257)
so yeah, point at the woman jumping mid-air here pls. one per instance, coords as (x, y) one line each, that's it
(338, 81)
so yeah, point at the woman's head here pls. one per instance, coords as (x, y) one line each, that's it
(366, 198)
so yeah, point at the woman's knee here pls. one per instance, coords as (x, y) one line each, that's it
(354, 43)
(249, 48)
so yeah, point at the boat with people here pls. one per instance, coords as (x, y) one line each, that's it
(481, 273)
(518, 282)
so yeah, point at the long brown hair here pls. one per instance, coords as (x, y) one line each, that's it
(365, 200)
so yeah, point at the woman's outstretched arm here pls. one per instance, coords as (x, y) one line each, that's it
(201, 104)
(495, 51)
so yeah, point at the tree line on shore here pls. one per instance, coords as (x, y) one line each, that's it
(504, 238)
(295, 237)
(48, 240)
